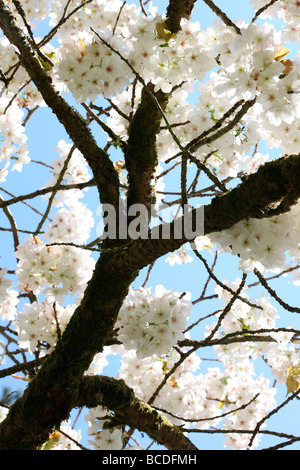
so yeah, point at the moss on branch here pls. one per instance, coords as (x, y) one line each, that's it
(116, 396)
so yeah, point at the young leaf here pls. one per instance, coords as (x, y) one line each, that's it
(162, 31)
(281, 53)
(293, 380)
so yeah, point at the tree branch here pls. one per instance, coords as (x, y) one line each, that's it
(177, 10)
(274, 189)
(118, 397)
(43, 191)
(222, 15)
(56, 389)
(141, 154)
(51, 395)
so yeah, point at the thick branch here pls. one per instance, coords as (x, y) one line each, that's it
(118, 397)
(222, 15)
(141, 155)
(52, 393)
(272, 190)
(177, 10)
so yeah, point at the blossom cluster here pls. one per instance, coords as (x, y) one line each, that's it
(249, 66)
(254, 64)
(194, 120)
(67, 437)
(263, 244)
(102, 436)
(280, 353)
(192, 398)
(288, 11)
(150, 322)
(91, 68)
(67, 225)
(35, 12)
(54, 267)
(54, 270)
(230, 153)
(40, 325)
(76, 171)
(13, 148)
(235, 390)
(58, 268)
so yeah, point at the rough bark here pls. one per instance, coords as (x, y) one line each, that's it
(272, 190)
(56, 389)
(141, 154)
(178, 9)
(115, 395)
(51, 395)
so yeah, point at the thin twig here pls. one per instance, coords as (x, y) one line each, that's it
(3, 203)
(148, 274)
(274, 294)
(222, 15)
(29, 114)
(228, 307)
(12, 224)
(274, 411)
(115, 139)
(118, 17)
(33, 43)
(43, 191)
(73, 440)
(243, 336)
(22, 367)
(262, 9)
(143, 8)
(63, 20)
(221, 284)
(183, 180)
(183, 357)
(223, 415)
(276, 276)
(193, 144)
(283, 444)
(55, 190)
(208, 279)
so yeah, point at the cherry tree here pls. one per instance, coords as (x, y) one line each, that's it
(196, 167)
